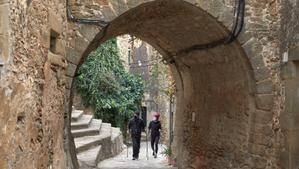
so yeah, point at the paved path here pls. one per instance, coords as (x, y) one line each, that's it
(122, 162)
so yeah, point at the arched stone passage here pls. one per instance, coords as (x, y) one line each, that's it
(217, 119)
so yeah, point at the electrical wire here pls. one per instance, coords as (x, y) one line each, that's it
(239, 13)
(235, 32)
(72, 18)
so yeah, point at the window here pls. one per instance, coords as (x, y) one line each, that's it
(53, 41)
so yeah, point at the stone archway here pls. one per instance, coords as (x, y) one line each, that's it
(224, 94)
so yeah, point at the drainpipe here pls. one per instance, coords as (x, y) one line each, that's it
(170, 134)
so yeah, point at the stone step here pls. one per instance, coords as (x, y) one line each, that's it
(90, 157)
(105, 152)
(85, 143)
(115, 133)
(94, 129)
(106, 128)
(76, 115)
(82, 123)
(116, 141)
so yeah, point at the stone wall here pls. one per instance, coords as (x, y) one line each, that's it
(230, 99)
(290, 74)
(32, 86)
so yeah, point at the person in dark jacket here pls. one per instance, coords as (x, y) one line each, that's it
(136, 126)
(154, 128)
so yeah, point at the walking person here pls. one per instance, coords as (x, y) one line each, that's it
(154, 128)
(136, 126)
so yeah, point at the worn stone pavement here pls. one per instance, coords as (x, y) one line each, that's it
(123, 162)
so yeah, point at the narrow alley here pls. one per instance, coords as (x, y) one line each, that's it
(122, 161)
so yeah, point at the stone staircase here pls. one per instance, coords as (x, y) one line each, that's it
(94, 140)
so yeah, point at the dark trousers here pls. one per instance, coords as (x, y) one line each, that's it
(136, 145)
(154, 143)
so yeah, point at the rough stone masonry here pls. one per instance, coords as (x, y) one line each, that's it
(237, 104)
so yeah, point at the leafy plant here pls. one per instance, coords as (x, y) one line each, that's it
(107, 87)
(167, 152)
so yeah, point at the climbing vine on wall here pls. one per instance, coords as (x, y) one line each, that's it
(107, 87)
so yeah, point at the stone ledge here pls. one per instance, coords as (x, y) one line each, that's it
(56, 60)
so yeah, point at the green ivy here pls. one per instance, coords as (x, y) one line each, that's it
(107, 87)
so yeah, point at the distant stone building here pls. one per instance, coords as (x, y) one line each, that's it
(143, 60)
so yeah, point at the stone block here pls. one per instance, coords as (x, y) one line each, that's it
(252, 47)
(293, 137)
(55, 22)
(257, 61)
(4, 18)
(262, 117)
(264, 87)
(261, 73)
(296, 121)
(71, 70)
(244, 36)
(260, 150)
(67, 93)
(1, 62)
(286, 121)
(259, 162)
(262, 129)
(294, 160)
(60, 47)
(89, 32)
(56, 60)
(69, 82)
(81, 44)
(260, 139)
(294, 54)
(288, 71)
(120, 5)
(4, 48)
(73, 56)
(265, 101)
(45, 39)
(108, 13)
(284, 159)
